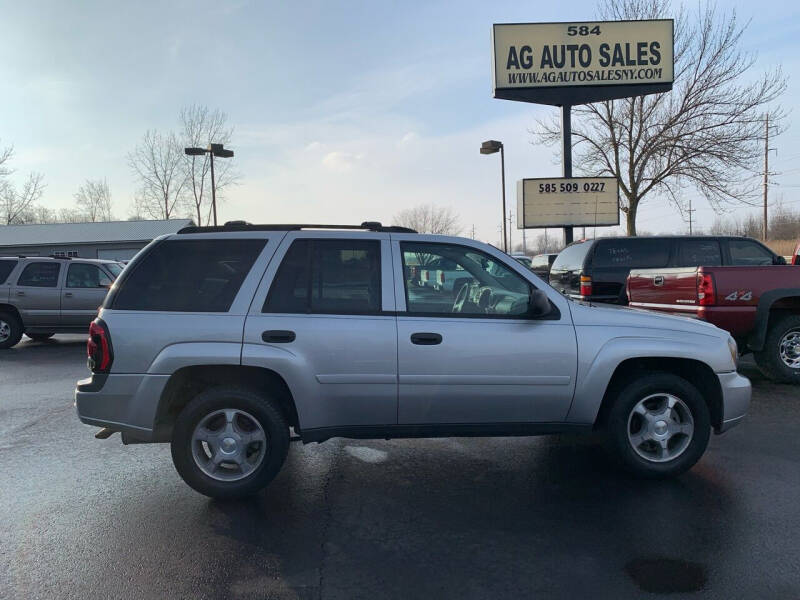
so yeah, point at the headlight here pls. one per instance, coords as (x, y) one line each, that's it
(734, 351)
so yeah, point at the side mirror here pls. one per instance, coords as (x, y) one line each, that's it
(538, 304)
(779, 260)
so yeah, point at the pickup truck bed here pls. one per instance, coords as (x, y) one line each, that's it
(753, 304)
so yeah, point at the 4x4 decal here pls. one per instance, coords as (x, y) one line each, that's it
(743, 295)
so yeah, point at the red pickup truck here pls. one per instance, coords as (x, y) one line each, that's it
(758, 305)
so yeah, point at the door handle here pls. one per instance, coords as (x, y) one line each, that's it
(278, 336)
(68, 294)
(20, 293)
(426, 339)
(658, 280)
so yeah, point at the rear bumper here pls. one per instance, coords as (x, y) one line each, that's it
(127, 403)
(736, 392)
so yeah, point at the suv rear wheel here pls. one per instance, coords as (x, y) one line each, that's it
(659, 426)
(780, 358)
(229, 442)
(10, 330)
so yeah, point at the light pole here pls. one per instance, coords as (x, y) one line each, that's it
(490, 147)
(212, 151)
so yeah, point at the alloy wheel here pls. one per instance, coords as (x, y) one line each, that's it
(660, 427)
(228, 444)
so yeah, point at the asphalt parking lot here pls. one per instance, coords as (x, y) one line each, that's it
(461, 518)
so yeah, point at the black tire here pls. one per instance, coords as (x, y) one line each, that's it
(769, 359)
(617, 425)
(264, 409)
(14, 328)
(40, 337)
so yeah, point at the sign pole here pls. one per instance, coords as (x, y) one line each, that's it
(566, 153)
(503, 183)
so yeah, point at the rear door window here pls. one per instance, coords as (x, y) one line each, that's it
(189, 275)
(746, 253)
(328, 277)
(6, 266)
(40, 274)
(631, 253)
(698, 253)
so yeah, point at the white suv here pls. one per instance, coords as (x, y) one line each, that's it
(219, 340)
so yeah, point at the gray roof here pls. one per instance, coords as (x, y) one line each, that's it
(73, 233)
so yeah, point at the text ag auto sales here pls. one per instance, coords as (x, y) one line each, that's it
(571, 56)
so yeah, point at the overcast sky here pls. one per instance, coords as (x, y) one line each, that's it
(343, 111)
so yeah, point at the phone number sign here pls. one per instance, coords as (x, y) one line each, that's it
(587, 61)
(567, 202)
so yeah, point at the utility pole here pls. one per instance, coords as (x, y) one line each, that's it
(690, 211)
(472, 235)
(566, 155)
(510, 244)
(766, 172)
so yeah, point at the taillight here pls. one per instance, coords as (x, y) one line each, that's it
(586, 285)
(705, 289)
(98, 348)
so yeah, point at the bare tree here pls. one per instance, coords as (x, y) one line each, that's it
(199, 128)
(70, 215)
(429, 218)
(157, 161)
(93, 199)
(707, 133)
(16, 205)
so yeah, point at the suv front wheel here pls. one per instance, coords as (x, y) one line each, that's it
(658, 426)
(229, 442)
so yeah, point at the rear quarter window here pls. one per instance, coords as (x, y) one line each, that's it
(188, 275)
(572, 257)
(6, 266)
(631, 253)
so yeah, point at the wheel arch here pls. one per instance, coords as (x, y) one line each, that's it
(186, 382)
(771, 306)
(696, 372)
(10, 308)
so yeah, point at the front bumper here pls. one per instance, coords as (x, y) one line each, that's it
(736, 392)
(126, 403)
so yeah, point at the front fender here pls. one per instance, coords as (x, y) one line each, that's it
(596, 369)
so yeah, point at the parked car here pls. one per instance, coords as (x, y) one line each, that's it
(596, 270)
(43, 296)
(218, 340)
(522, 259)
(541, 263)
(758, 306)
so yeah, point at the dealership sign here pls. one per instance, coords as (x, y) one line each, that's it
(574, 63)
(573, 201)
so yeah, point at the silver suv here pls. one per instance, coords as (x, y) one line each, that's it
(219, 340)
(41, 296)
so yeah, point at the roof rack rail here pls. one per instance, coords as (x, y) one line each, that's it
(245, 226)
